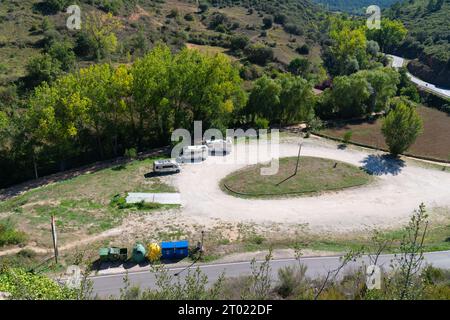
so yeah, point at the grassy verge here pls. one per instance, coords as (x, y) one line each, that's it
(437, 239)
(314, 175)
(82, 205)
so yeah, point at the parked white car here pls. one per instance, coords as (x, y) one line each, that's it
(195, 153)
(166, 166)
(220, 145)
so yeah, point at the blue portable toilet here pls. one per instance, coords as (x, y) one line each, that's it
(174, 250)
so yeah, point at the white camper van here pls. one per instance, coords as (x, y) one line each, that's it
(195, 153)
(166, 166)
(220, 145)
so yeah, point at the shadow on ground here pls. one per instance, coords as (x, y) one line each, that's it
(382, 165)
(105, 265)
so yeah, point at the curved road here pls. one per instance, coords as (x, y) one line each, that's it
(110, 284)
(398, 62)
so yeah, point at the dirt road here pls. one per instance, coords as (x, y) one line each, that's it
(388, 202)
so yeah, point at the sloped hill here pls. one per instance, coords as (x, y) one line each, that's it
(353, 6)
(27, 24)
(429, 37)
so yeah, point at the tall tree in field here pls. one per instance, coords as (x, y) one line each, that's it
(264, 99)
(55, 117)
(348, 51)
(296, 99)
(383, 84)
(391, 33)
(401, 127)
(99, 30)
(349, 96)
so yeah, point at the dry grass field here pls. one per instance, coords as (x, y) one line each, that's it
(433, 142)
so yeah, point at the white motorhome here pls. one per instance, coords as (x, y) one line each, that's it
(220, 145)
(195, 153)
(166, 166)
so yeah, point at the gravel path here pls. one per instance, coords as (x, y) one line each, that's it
(388, 202)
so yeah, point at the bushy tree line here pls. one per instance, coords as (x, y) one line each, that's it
(100, 111)
(283, 100)
(352, 46)
(359, 94)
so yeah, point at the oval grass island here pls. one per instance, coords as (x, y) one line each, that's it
(314, 175)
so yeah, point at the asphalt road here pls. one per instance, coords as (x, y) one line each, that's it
(110, 284)
(397, 62)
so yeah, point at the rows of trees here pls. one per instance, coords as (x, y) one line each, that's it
(359, 94)
(100, 111)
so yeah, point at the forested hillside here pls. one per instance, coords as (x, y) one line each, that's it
(428, 23)
(139, 69)
(37, 49)
(353, 6)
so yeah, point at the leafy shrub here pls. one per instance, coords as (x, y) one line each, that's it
(130, 153)
(238, 42)
(261, 123)
(304, 49)
(267, 22)
(280, 18)
(293, 29)
(113, 6)
(120, 202)
(9, 235)
(259, 54)
(28, 286)
(203, 7)
(347, 136)
(2, 68)
(188, 17)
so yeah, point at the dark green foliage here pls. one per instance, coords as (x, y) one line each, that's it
(63, 52)
(9, 234)
(259, 54)
(267, 22)
(42, 68)
(401, 127)
(299, 66)
(239, 42)
(353, 6)
(303, 49)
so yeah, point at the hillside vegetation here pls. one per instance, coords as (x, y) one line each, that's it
(30, 26)
(428, 38)
(354, 6)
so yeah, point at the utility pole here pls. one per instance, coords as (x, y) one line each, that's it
(298, 158)
(296, 167)
(55, 239)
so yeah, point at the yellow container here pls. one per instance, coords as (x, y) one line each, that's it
(153, 252)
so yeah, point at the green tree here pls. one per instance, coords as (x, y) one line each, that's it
(264, 99)
(391, 33)
(99, 30)
(267, 22)
(401, 127)
(348, 48)
(383, 84)
(259, 54)
(296, 100)
(55, 5)
(63, 52)
(299, 67)
(42, 68)
(239, 42)
(349, 96)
